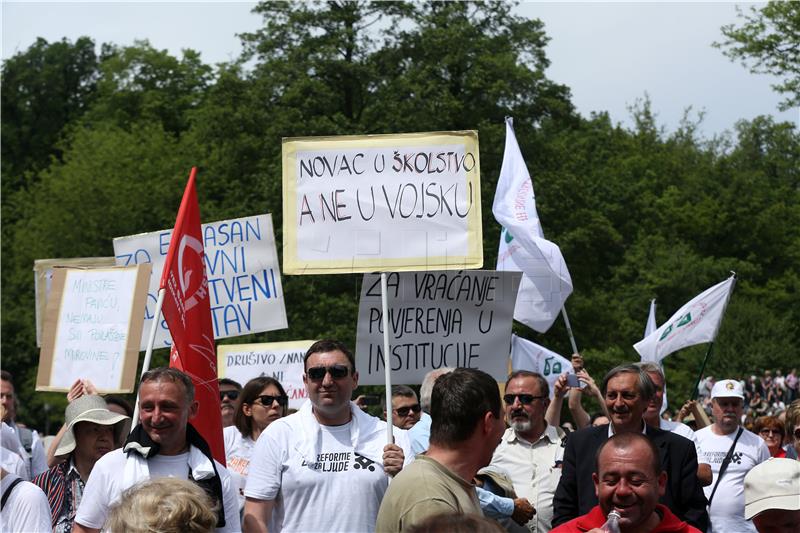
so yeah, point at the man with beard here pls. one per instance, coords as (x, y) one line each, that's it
(629, 479)
(732, 452)
(627, 390)
(531, 450)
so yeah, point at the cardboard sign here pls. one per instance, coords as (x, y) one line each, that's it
(382, 203)
(244, 278)
(436, 319)
(43, 278)
(280, 360)
(92, 328)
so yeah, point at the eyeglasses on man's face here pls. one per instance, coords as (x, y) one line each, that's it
(524, 399)
(403, 411)
(232, 395)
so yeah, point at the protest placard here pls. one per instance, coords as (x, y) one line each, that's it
(244, 278)
(382, 203)
(92, 328)
(43, 277)
(436, 319)
(280, 360)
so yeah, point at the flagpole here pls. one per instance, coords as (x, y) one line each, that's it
(569, 329)
(148, 354)
(702, 369)
(387, 367)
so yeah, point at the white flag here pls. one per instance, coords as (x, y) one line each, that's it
(696, 322)
(527, 355)
(649, 328)
(546, 282)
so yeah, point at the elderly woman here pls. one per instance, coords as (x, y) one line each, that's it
(263, 400)
(772, 431)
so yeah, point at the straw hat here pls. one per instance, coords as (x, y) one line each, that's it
(89, 408)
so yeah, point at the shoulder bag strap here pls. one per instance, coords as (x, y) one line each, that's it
(725, 463)
(7, 492)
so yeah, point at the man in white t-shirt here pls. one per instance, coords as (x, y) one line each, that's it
(164, 444)
(25, 506)
(326, 467)
(726, 509)
(652, 416)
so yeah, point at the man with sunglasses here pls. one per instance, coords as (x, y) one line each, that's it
(229, 392)
(531, 450)
(326, 467)
(405, 407)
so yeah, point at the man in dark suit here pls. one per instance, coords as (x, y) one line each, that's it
(627, 390)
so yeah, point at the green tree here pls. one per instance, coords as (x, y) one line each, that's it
(769, 42)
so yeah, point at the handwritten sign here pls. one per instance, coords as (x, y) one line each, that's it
(92, 328)
(382, 203)
(280, 360)
(436, 319)
(244, 278)
(43, 278)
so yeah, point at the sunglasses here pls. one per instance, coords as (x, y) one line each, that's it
(524, 399)
(336, 371)
(767, 431)
(266, 400)
(403, 411)
(797, 433)
(231, 394)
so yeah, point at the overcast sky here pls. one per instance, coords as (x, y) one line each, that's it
(609, 54)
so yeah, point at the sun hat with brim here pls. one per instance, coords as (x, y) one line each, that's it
(89, 408)
(774, 484)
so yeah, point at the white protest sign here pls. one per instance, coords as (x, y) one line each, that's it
(280, 360)
(527, 355)
(43, 278)
(436, 319)
(92, 327)
(382, 203)
(244, 278)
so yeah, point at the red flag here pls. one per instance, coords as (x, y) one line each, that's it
(187, 310)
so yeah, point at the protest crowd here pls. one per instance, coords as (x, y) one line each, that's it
(463, 458)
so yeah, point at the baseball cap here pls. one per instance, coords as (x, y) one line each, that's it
(727, 388)
(774, 484)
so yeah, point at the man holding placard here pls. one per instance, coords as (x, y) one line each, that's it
(330, 453)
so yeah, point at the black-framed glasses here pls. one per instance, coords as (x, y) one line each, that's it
(317, 373)
(266, 400)
(524, 399)
(232, 395)
(403, 411)
(767, 431)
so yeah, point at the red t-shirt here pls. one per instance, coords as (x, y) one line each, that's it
(595, 518)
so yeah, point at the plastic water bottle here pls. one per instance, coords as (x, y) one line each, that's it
(612, 523)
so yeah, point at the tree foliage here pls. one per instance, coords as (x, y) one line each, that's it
(768, 42)
(639, 213)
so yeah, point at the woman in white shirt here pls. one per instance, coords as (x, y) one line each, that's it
(262, 401)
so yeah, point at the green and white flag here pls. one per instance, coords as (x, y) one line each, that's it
(527, 355)
(695, 323)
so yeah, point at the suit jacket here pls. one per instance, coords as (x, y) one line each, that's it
(575, 494)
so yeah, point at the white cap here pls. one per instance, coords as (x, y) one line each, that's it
(774, 484)
(727, 388)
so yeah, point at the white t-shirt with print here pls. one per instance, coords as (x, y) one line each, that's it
(727, 508)
(318, 479)
(238, 451)
(26, 508)
(105, 485)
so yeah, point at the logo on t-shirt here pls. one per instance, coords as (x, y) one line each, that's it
(363, 462)
(737, 458)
